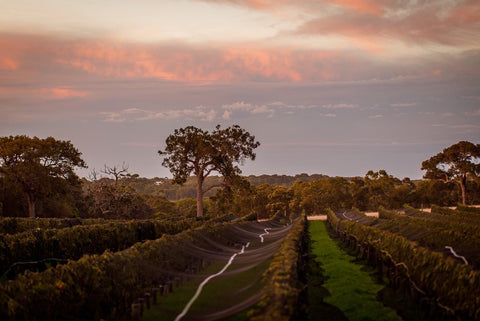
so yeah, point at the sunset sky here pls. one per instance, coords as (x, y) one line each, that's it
(335, 87)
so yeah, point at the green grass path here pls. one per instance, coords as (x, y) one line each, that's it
(350, 285)
(220, 293)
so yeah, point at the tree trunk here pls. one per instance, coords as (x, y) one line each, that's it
(31, 205)
(199, 195)
(463, 187)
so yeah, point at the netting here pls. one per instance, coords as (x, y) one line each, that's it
(233, 250)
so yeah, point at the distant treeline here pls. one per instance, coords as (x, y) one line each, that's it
(173, 192)
(132, 196)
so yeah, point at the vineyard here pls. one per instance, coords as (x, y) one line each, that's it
(109, 267)
(424, 266)
(431, 258)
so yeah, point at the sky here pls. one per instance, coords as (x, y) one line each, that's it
(334, 87)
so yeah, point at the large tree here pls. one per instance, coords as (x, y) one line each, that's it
(40, 166)
(192, 150)
(455, 163)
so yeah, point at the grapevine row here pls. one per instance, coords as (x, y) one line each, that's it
(453, 287)
(71, 243)
(434, 234)
(104, 286)
(444, 214)
(466, 214)
(13, 225)
(283, 278)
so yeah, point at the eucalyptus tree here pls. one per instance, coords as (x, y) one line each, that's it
(40, 166)
(456, 163)
(193, 150)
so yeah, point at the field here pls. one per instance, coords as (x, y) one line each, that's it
(404, 264)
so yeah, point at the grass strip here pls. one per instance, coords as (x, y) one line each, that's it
(350, 285)
(218, 294)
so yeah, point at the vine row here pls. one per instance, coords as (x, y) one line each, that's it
(13, 225)
(105, 286)
(23, 250)
(284, 278)
(434, 234)
(450, 287)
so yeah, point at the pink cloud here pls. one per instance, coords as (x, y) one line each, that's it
(10, 52)
(61, 61)
(367, 22)
(255, 4)
(8, 63)
(370, 6)
(61, 93)
(175, 62)
(365, 6)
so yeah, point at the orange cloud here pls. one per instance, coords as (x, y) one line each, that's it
(61, 93)
(256, 4)
(365, 6)
(10, 50)
(192, 64)
(60, 61)
(8, 63)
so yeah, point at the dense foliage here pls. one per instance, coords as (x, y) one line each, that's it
(105, 286)
(136, 197)
(38, 244)
(96, 286)
(38, 167)
(191, 150)
(455, 163)
(436, 232)
(445, 283)
(121, 195)
(13, 225)
(284, 279)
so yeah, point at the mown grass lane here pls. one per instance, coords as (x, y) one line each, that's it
(348, 290)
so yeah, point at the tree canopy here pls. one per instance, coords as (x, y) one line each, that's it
(40, 166)
(192, 150)
(455, 163)
(114, 196)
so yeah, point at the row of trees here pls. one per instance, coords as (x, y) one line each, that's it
(37, 177)
(191, 150)
(366, 193)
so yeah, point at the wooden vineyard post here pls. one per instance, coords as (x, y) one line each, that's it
(136, 311)
(147, 297)
(141, 301)
(169, 285)
(154, 295)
